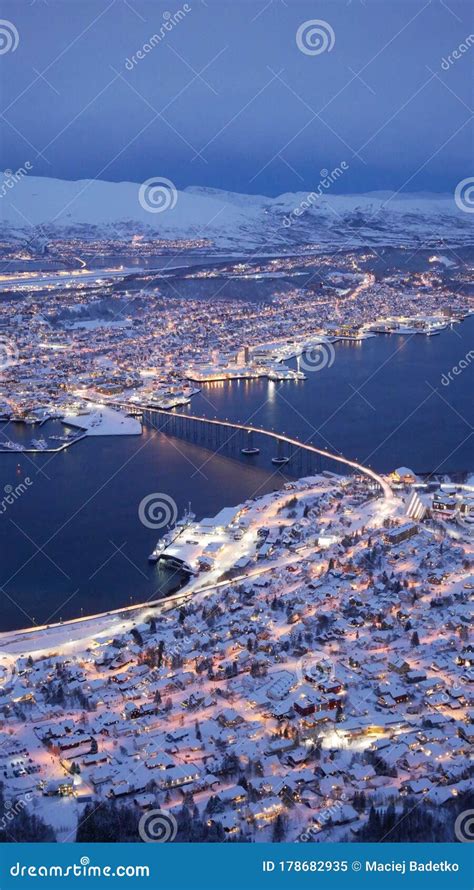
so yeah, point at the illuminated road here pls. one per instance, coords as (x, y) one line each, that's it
(287, 440)
(71, 632)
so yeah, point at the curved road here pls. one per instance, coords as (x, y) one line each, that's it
(360, 468)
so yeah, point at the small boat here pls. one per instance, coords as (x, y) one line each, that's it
(187, 518)
(13, 446)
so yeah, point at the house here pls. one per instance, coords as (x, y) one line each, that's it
(229, 717)
(59, 787)
(176, 776)
(401, 533)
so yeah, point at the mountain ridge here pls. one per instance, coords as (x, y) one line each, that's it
(96, 208)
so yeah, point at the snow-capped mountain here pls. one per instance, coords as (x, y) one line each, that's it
(48, 208)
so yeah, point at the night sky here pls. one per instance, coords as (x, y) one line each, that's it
(227, 99)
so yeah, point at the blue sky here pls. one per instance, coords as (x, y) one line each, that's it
(227, 99)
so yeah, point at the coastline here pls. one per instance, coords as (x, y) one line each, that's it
(280, 355)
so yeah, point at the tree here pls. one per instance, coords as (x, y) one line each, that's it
(19, 825)
(279, 829)
(108, 823)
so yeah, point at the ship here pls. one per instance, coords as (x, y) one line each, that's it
(170, 536)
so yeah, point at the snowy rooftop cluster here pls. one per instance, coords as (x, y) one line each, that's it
(284, 703)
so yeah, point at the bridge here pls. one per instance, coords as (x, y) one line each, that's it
(219, 435)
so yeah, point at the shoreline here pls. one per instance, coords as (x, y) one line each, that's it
(191, 588)
(280, 356)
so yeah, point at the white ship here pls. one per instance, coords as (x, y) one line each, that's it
(187, 518)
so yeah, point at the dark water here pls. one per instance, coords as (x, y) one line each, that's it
(82, 504)
(382, 402)
(73, 540)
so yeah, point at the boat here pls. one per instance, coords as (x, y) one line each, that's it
(174, 563)
(13, 446)
(161, 545)
(187, 518)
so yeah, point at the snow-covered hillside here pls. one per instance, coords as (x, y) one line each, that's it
(91, 208)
